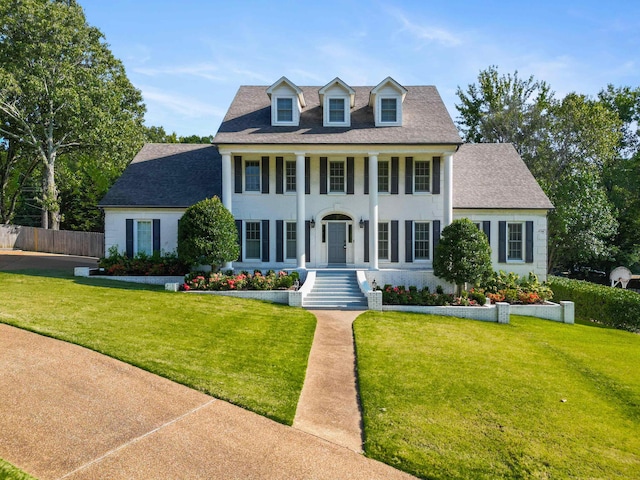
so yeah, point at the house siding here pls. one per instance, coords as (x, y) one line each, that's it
(539, 223)
(115, 220)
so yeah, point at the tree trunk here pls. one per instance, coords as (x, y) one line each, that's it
(50, 204)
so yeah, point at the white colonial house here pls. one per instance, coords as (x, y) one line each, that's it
(336, 175)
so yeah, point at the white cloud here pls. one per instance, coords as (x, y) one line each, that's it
(426, 34)
(203, 70)
(179, 104)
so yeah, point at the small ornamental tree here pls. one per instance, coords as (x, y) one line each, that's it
(463, 254)
(207, 235)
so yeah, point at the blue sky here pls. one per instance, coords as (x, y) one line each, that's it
(189, 58)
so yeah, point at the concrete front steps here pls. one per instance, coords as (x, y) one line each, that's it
(335, 290)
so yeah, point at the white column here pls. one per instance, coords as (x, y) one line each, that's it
(300, 211)
(226, 180)
(448, 189)
(226, 189)
(373, 211)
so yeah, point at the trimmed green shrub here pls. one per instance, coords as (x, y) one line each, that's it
(207, 234)
(463, 254)
(614, 307)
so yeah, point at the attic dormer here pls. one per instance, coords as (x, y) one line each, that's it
(287, 101)
(387, 99)
(337, 99)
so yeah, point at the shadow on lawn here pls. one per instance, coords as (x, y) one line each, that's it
(95, 282)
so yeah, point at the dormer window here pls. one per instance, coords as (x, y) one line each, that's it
(336, 110)
(386, 100)
(388, 110)
(284, 107)
(287, 102)
(337, 98)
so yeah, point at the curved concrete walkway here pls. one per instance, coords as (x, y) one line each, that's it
(70, 413)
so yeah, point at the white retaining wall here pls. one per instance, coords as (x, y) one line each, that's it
(500, 312)
(148, 280)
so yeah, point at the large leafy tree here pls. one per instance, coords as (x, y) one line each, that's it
(207, 234)
(463, 254)
(505, 109)
(582, 223)
(61, 89)
(566, 144)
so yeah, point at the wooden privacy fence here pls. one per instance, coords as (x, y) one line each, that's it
(86, 244)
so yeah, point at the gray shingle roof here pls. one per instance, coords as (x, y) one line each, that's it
(168, 175)
(425, 121)
(492, 175)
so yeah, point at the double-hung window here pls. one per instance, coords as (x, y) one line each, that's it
(421, 241)
(515, 242)
(284, 109)
(252, 240)
(143, 240)
(290, 240)
(336, 110)
(383, 241)
(290, 176)
(388, 110)
(383, 177)
(251, 176)
(336, 177)
(422, 176)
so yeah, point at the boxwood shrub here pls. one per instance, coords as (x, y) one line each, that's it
(614, 307)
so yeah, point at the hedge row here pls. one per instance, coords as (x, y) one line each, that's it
(613, 307)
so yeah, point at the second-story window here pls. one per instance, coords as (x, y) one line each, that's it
(285, 109)
(383, 177)
(336, 110)
(290, 176)
(252, 176)
(336, 177)
(422, 178)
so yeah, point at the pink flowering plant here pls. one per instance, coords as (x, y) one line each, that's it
(241, 281)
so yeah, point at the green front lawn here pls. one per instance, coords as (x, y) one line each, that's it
(447, 398)
(9, 472)
(251, 353)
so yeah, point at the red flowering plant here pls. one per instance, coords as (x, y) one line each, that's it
(510, 288)
(241, 281)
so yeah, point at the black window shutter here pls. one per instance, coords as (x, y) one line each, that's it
(436, 236)
(239, 229)
(307, 240)
(279, 175)
(307, 175)
(237, 167)
(350, 174)
(408, 241)
(264, 235)
(366, 240)
(279, 241)
(435, 188)
(394, 175)
(366, 175)
(156, 235)
(265, 174)
(502, 242)
(529, 242)
(129, 235)
(323, 175)
(486, 228)
(394, 241)
(408, 176)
